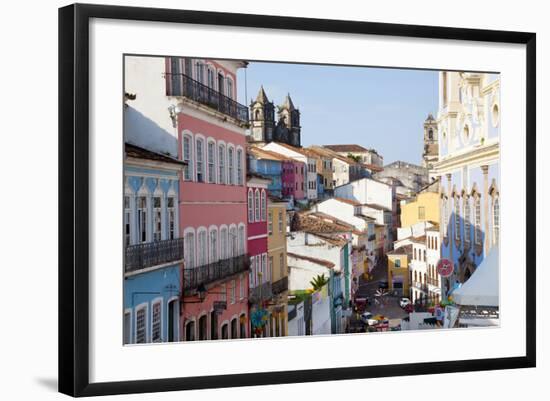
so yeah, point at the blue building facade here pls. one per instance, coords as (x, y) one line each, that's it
(468, 171)
(268, 166)
(153, 257)
(320, 187)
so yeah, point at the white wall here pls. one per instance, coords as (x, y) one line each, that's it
(315, 248)
(147, 120)
(302, 272)
(342, 211)
(367, 191)
(320, 315)
(416, 230)
(297, 325)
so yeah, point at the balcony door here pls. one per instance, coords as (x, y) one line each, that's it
(173, 321)
(175, 70)
(220, 84)
(213, 325)
(203, 328)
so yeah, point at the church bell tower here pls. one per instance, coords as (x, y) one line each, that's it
(431, 146)
(262, 118)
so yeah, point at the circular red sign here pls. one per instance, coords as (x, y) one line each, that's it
(445, 267)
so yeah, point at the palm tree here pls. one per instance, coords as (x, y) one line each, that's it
(319, 282)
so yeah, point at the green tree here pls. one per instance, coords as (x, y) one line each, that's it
(319, 282)
(354, 157)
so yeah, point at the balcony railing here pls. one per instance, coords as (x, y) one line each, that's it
(207, 274)
(260, 293)
(280, 286)
(183, 85)
(151, 254)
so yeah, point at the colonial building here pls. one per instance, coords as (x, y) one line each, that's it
(398, 269)
(411, 176)
(468, 123)
(259, 278)
(430, 155)
(318, 305)
(377, 200)
(420, 208)
(211, 133)
(336, 168)
(308, 160)
(153, 257)
(361, 154)
(315, 237)
(264, 128)
(277, 264)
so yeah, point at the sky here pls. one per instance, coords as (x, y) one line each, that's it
(377, 108)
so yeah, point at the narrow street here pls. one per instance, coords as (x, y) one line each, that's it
(387, 305)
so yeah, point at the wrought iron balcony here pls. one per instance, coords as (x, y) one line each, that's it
(183, 85)
(280, 286)
(207, 274)
(151, 254)
(260, 293)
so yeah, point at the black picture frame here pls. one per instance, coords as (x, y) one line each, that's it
(74, 198)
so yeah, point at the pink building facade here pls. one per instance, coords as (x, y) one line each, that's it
(213, 211)
(293, 179)
(259, 278)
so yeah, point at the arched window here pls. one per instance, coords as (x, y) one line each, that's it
(157, 218)
(202, 250)
(213, 246)
(250, 205)
(199, 146)
(231, 165)
(444, 215)
(430, 135)
(457, 218)
(233, 242)
(221, 164)
(211, 164)
(188, 157)
(477, 219)
(239, 163)
(414, 253)
(241, 240)
(189, 249)
(211, 78)
(257, 205)
(264, 205)
(496, 220)
(230, 88)
(223, 243)
(467, 221)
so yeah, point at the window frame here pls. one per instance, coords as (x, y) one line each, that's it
(145, 308)
(154, 302)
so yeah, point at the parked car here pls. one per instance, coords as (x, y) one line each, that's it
(368, 319)
(403, 302)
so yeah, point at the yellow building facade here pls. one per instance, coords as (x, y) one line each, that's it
(424, 208)
(277, 259)
(398, 269)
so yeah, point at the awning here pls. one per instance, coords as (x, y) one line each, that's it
(481, 289)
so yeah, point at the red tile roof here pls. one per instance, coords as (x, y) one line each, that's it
(348, 201)
(141, 153)
(346, 148)
(321, 262)
(266, 154)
